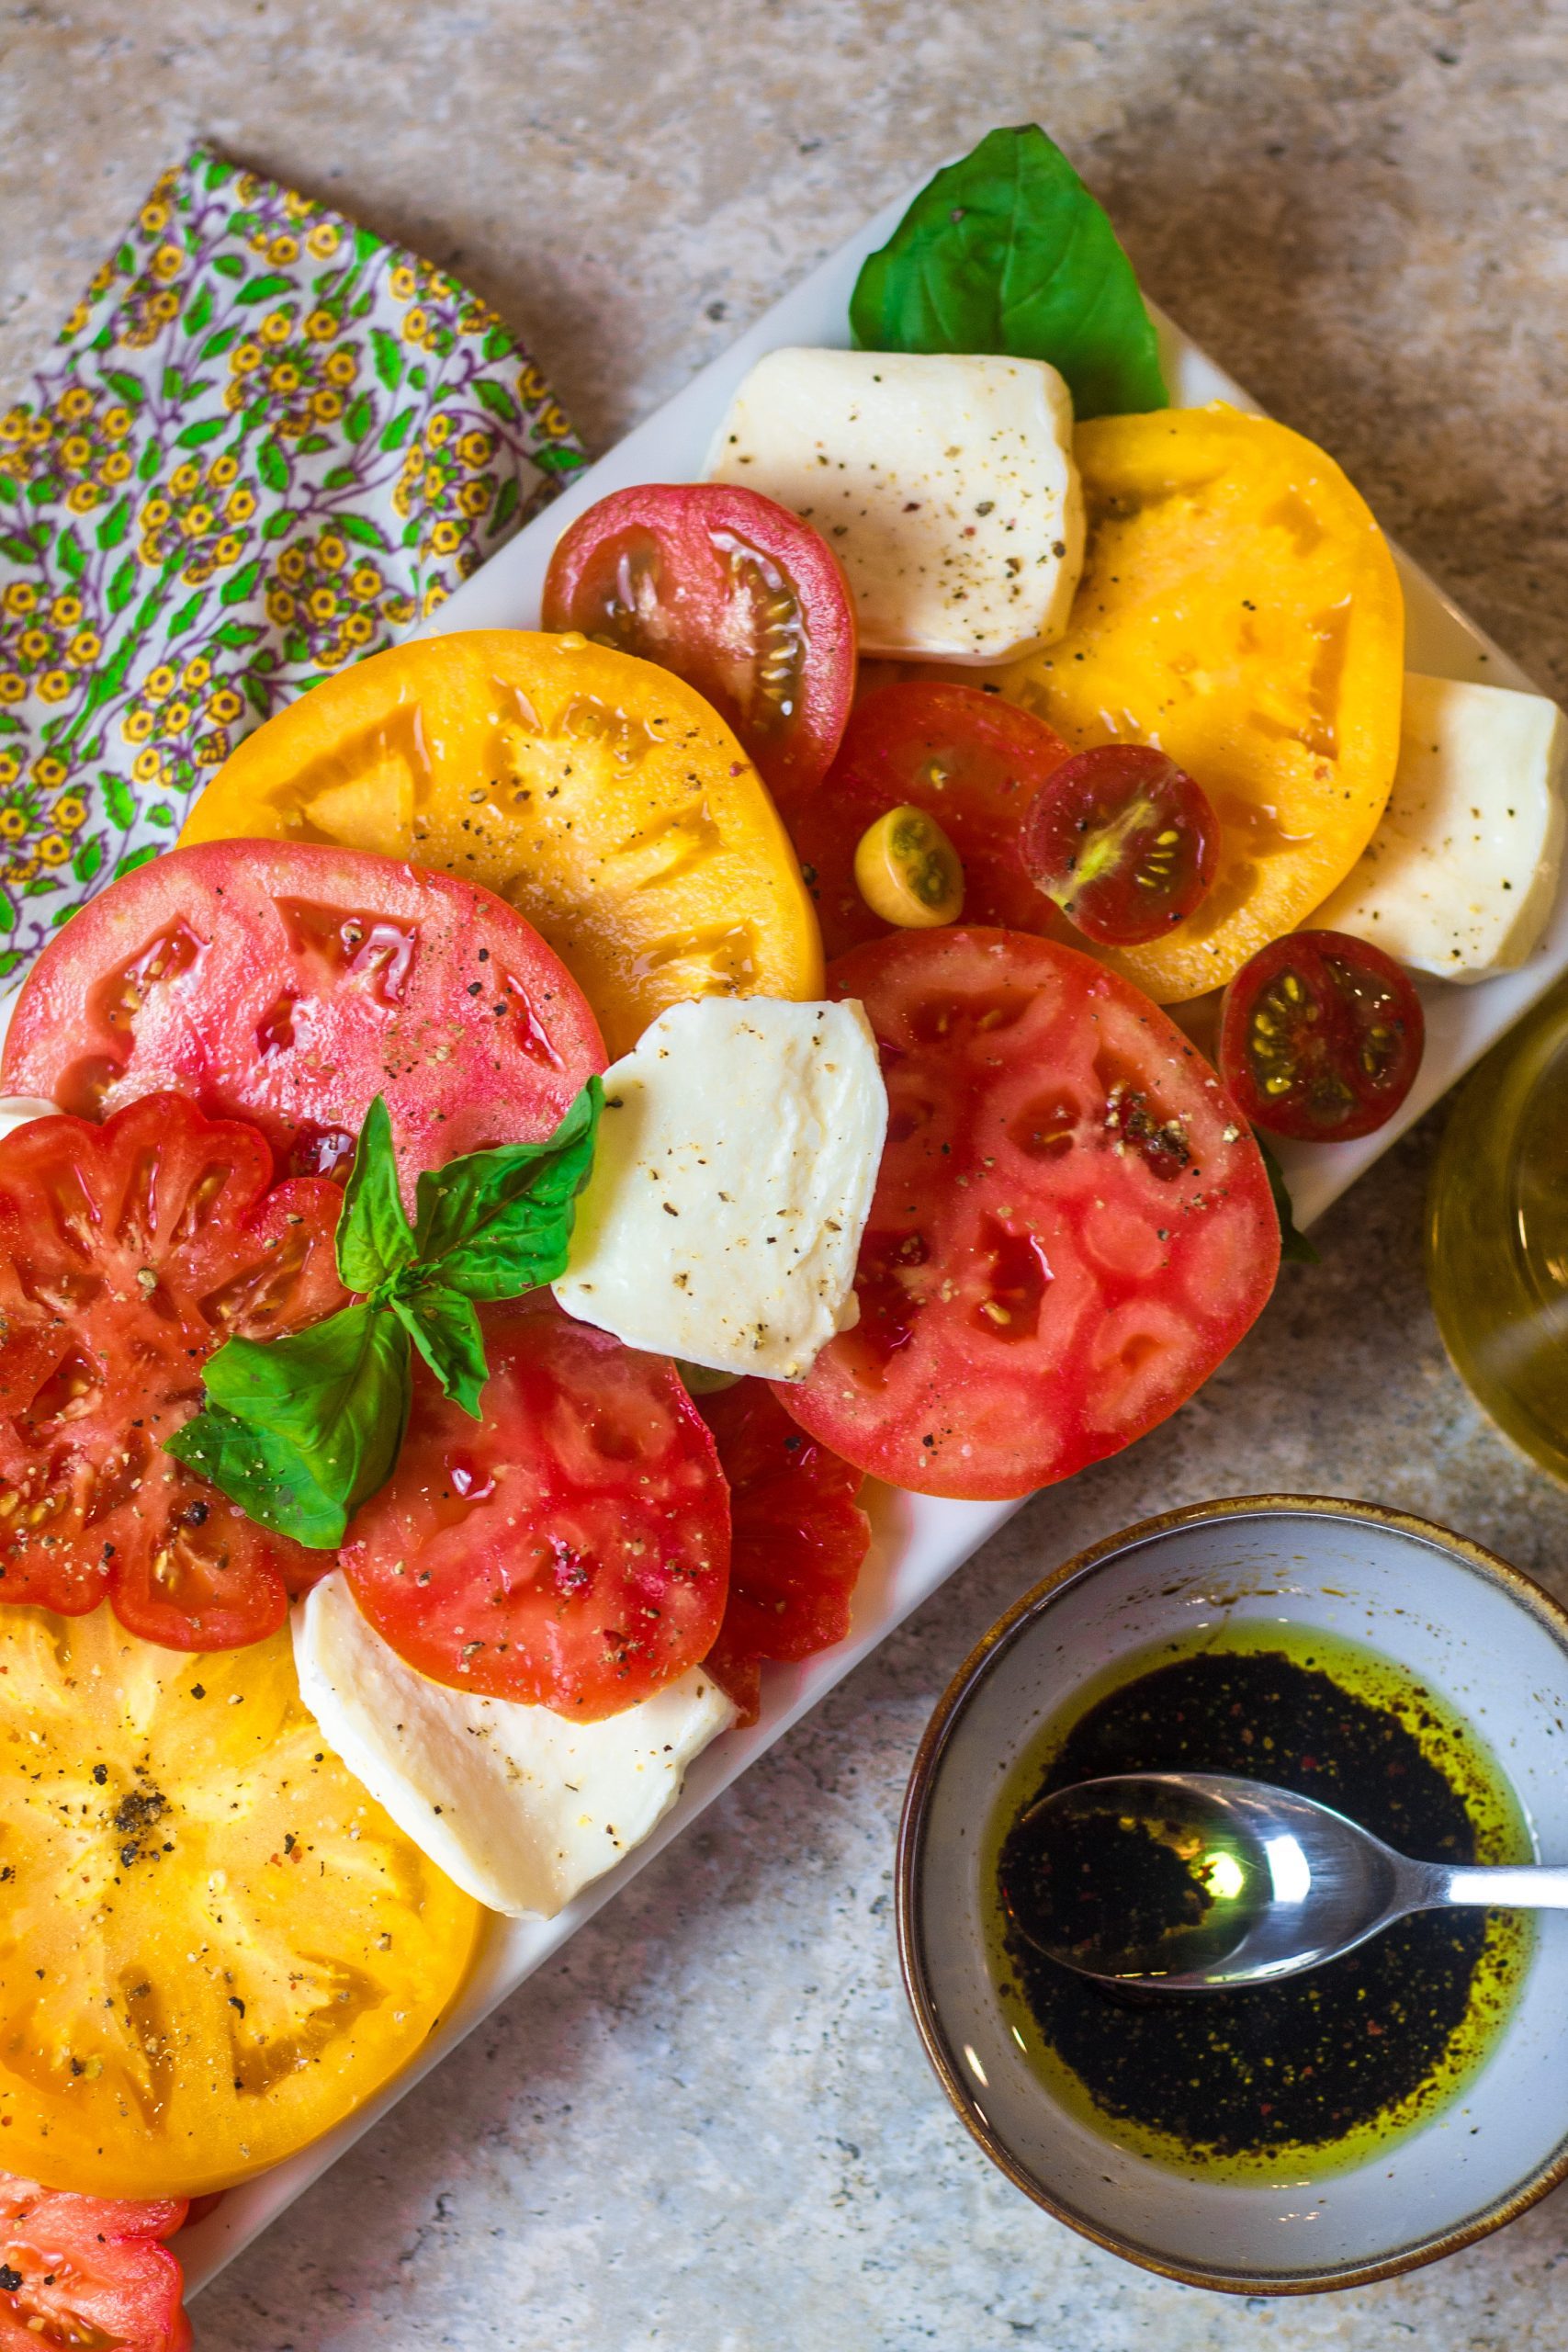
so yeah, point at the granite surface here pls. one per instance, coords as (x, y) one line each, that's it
(708, 2126)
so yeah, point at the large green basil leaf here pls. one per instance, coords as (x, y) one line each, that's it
(1009, 252)
(498, 1223)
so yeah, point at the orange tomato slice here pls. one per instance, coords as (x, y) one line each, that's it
(597, 793)
(216, 1945)
(1239, 608)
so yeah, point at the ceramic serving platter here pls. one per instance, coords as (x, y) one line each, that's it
(918, 1541)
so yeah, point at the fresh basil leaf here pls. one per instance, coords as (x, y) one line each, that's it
(1009, 252)
(444, 1327)
(497, 1222)
(335, 1398)
(1294, 1244)
(268, 1477)
(374, 1239)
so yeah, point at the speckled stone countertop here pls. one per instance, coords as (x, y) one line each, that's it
(708, 2127)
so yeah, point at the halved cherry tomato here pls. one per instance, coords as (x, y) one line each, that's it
(1321, 1036)
(798, 1538)
(598, 794)
(217, 1944)
(289, 984)
(572, 1548)
(1123, 841)
(1071, 1228)
(127, 1253)
(734, 594)
(970, 760)
(908, 871)
(1240, 608)
(88, 2272)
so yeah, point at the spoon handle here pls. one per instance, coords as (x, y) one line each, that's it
(1533, 1887)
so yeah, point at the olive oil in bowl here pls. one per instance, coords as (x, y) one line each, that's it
(1321, 2070)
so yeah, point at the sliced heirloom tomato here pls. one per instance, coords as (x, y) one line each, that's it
(1123, 841)
(598, 794)
(798, 1538)
(290, 985)
(1321, 1036)
(1240, 610)
(88, 2274)
(127, 1253)
(967, 758)
(1072, 1225)
(734, 594)
(570, 1549)
(217, 1944)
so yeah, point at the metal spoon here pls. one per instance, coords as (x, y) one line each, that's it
(1240, 1881)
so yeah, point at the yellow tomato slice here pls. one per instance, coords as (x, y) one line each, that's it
(215, 1943)
(595, 791)
(1239, 608)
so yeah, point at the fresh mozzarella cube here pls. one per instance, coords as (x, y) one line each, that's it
(737, 1156)
(945, 484)
(518, 1806)
(1460, 878)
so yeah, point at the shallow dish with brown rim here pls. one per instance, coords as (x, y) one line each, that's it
(1492, 1649)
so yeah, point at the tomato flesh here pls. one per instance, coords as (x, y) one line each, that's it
(288, 983)
(1072, 1225)
(1321, 1036)
(736, 595)
(798, 1538)
(970, 760)
(127, 1253)
(571, 1549)
(218, 1945)
(1123, 841)
(88, 2271)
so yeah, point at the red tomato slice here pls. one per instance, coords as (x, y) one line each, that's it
(972, 761)
(288, 984)
(1123, 841)
(127, 1253)
(1072, 1225)
(797, 1540)
(572, 1548)
(1321, 1036)
(88, 2274)
(734, 594)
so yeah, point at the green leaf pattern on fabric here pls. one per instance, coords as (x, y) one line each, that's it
(187, 461)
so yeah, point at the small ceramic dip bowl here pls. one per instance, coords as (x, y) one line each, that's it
(1491, 1648)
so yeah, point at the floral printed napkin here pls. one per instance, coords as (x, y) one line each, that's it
(269, 444)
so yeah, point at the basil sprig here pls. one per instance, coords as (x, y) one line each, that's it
(299, 1430)
(1294, 1247)
(1008, 252)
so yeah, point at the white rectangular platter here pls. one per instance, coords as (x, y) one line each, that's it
(918, 1541)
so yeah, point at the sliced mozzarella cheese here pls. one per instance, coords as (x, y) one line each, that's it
(737, 1157)
(17, 1110)
(1460, 875)
(944, 484)
(520, 1807)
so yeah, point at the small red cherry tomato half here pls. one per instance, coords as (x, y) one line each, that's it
(967, 758)
(1123, 841)
(736, 595)
(798, 1538)
(1072, 1225)
(572, 1548)
(1321, 1036)
(290, 983)
(127, 1253)
(88, 2271)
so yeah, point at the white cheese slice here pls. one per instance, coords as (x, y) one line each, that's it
(520, 1807)
(944, 484)
(18, 1110)
(1460, 875)
(737, 1157)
